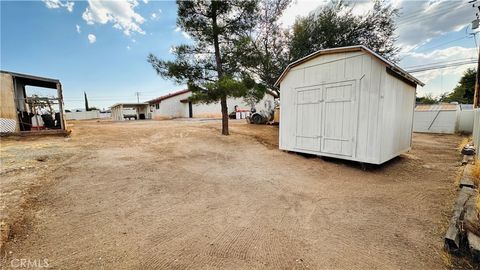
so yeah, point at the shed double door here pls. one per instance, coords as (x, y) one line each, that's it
(326, 118)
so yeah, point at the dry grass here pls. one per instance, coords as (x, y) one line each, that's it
(476, 173)
(446, 258)
(463, 143)
(478, 204)
(476, 179)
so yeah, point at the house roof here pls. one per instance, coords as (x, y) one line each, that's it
(158, 99)
(391, 65)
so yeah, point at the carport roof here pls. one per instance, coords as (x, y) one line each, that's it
(129, 104)
(33, 80)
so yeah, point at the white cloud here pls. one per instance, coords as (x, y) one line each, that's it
(128, 47)
(186, 35)
(441, 80)
(78, 28)
(451, 53)
(172, 50)
(159, 10)
(120, 13)
(299, 8)
(145, 1)
(154, 16)
(59, 4)
(419, 22)
(92, 38)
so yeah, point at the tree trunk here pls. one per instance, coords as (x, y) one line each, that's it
(223, 103)
(218, 60)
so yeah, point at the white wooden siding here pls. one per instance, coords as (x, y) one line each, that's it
(342, 104)
(397, 113)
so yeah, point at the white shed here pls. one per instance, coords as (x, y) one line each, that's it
(347, 103)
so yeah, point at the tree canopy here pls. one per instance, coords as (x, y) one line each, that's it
(210, 66)
(335, 25)
(427, 99)
(265, 49)
(465, 89)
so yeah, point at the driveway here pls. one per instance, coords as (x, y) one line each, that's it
(177, 194)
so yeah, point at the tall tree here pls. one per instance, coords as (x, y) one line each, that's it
(210, 67)
(335, 25)
(265, 51)
(86, 101)
(464, 91)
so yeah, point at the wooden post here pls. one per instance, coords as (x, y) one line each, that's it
(60, 105)
(476, 94)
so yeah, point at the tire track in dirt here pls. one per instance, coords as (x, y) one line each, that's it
(182, 186)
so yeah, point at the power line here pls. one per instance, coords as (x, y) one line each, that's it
(442, 62)
(414, 15)
(441, 66)
(439, 12)
(421, 48)
(441, 44)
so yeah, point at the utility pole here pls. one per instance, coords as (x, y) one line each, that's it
(138, 96)
(476, 95)
(475, 23)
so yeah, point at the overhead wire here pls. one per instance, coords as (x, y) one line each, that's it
(441, 66)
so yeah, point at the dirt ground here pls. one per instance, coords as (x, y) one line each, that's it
(177, 194)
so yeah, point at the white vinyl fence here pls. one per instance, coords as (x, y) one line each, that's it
(476, 131)
(465, 121)
(82, 115)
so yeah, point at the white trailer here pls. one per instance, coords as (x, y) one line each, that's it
(348, 103)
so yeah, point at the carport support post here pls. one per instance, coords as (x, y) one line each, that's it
(60, 105)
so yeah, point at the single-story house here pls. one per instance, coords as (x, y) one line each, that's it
(177, 104)
(22, 111)
(347, 103)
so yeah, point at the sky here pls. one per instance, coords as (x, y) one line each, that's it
(101, 47)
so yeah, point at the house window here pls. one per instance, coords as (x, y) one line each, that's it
(157, 106)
